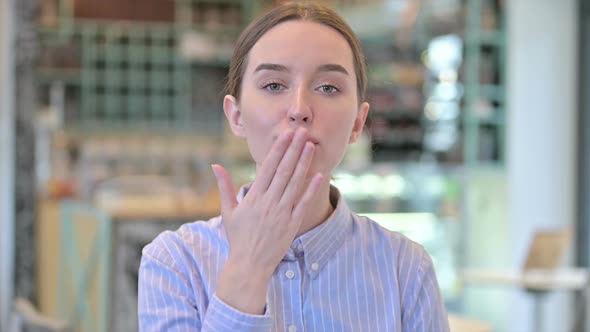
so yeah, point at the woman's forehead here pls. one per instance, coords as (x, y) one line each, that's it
(301, 45)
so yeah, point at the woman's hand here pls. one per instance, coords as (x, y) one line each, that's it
(261, 228)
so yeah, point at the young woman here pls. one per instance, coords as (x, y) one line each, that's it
(287, 254)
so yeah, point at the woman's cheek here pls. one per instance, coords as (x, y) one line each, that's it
(258, 147)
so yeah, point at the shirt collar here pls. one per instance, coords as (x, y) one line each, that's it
(319, 244)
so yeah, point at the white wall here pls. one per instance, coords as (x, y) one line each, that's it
(541, 145)
(6, 163)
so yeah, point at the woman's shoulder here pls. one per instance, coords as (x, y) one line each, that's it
(188, 238)
(407, 257)
(390, 241)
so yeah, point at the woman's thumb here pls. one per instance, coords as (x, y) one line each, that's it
(226, 188)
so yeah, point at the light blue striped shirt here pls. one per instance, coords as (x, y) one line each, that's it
(347, 274)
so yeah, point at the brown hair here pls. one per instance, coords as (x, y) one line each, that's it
(306, 11)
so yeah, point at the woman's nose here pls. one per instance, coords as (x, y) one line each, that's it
(300, 109)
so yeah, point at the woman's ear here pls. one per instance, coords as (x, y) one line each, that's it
(359, 122)
(233, 115)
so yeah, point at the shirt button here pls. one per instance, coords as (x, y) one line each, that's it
(290, 274)
(299, 248)
(292, 328)
(315, 266)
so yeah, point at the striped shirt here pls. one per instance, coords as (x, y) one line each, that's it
(347, 274)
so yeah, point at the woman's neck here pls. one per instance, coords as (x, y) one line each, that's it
(320, 210)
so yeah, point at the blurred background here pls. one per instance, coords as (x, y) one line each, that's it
(477, 146)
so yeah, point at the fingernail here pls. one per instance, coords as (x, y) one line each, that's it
(213, 168)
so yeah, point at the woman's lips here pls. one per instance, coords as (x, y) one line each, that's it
(314, 141)
(310, 139)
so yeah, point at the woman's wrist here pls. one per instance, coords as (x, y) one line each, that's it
(243, 287)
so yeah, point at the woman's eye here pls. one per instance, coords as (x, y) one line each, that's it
(328, 88)
(273, 87)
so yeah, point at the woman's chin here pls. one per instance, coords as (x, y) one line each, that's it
(315, 171)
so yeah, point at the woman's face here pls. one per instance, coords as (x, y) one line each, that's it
(299, 74)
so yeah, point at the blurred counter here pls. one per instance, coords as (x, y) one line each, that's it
(134, 219)
(153, 197)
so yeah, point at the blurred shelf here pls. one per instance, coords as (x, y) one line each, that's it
(132, 74)
(489, 92)
(492, 92)
(490, 121)
(213, 2)
(216, 63)
(373, 22)
(487, 38)
(484, 59)
(135, 74)
(68, 76)
(221, 30)
(397, 115)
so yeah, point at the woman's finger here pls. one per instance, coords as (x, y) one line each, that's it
(308, 197)
(226, 189)
(267, 170)
(287, 165)
(297, 181)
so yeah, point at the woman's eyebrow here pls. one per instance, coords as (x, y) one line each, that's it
(323, 68)
(332, 67)
(271, 66)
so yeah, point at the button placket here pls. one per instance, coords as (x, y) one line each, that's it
(290, 274)
(290, 270)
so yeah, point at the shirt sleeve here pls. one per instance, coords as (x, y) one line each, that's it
(423, 308)
(223, 317)
(166, 300)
